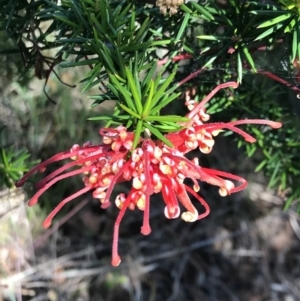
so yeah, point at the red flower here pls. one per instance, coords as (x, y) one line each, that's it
(152, 167)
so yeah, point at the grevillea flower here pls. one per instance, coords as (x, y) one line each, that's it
(152, 168)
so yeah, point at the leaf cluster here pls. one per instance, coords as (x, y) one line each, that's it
(236, 31)
(13, 162)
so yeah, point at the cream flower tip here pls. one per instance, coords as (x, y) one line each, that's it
(189, 217)
(137, 184)
(123, 135)
(196, 188)
(228, 185)
(190, 107)
(205, 150)
(93, 179)
(74, 148)
(196, 161)
(209, 142)
(165, 169)
(128, 144)
(107, 140)
(223, 191)
(191, 144)
(118, 203)
(106, 181)
(205, 118)
(99, 195)
(115, 145)
(172, 213)
(141, 203)
(216, 132)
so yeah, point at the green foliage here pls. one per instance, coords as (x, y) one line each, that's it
(13, 162)
(278, 152)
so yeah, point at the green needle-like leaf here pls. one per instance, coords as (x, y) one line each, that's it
(184, 8)
(142, 31)
(67, 21)
(298, 46)
(107, 58)
(249, 58)
(274, 179)
(134, 91)
(202, 11)
(80, 63)
(162, 89)
(239, 67)
(4, 158)
(290, 26)
(168, 128)
(123, 91)
(165, 102)
(295, 44)
(268, 32)
(103, 16)
(261, 165)
(167, 118)
(158, 134)
(212, 38)
(129, 111)
(122, 15)
(79, 14)
(275, 20)
(96, 70)
(182, 27)
(137, 134)
(149, 99)
(113, 90)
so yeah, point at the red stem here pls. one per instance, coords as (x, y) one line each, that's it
(48, 220)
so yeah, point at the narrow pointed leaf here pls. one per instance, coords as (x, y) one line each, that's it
(202, 11)
(135, 93)
(186, 9)
(165, 102)
(249, 58)
(182, 27)
(64, 20)
(137, 134)
(275, 20)
(158, 134)
(167, 118)
(268, 32)
(294, 44)
(149, 98)
(162, 89)
(212, 38)
(123, 91)
(142, 30)
(129, 111)
(239, 67)
(96, 70)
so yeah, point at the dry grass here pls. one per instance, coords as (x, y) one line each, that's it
(221, 258)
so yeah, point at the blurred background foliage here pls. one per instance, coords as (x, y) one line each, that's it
(83, 41)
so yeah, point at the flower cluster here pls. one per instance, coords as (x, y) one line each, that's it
(152, 167)
(171, 5)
